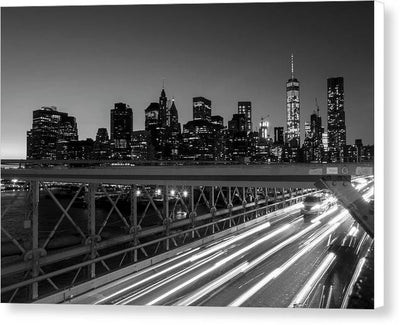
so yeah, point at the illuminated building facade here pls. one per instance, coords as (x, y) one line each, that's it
(101, 147)
(245, 109)
(152, 125)
(140, 145)
(121, 119)
(336, 119)
(292, 110)
(263, 131)
(49, 128)
(201, 109)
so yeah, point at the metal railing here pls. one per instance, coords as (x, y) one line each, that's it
(174, 231)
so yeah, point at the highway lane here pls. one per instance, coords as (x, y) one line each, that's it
(144, 278)
(217, 274)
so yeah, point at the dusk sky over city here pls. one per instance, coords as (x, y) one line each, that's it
(84, 59)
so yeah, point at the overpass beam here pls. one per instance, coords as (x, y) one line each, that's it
(352, 200)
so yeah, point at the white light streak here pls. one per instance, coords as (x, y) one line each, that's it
(212, 286)
(219, 264)
(353, 281)
(310, 284)
(274, 274)
(173, 277)
(114, 284)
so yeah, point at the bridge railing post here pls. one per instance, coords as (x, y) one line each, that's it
(212, 208)
(35, 194)
(166, 215)
(230, 205)
(134, 219)
(192, 209)
(91, 226)
(244, 202)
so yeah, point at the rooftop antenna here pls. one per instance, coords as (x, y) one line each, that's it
(163, 83)
(292, 65)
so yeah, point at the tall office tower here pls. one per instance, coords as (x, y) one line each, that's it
(237, 137)
(359, 145)
(198, 140)
(164, 111)
(316, 132)
(173, 132)
(101, 147)
(140, 144)
(292, 110)
(153, 126)
(201, 109)
(307, 130)
(325, 143)
(278, 135)
(173, 116)
(245, 108)
(263, 131)
(49, 127)
(121, 119)
(152, 113)
(336, 119)
(316, 126)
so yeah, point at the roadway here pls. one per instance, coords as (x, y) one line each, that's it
(279, 263)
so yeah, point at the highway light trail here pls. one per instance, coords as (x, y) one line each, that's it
(278, 271)
(219, 264)
(353, 281)
(191, 259)
(197, 276)
(141, 273)
(169, 279)
(243, 268)
(198, 294)
(305, 292)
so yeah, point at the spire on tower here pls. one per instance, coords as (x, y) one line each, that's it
(292, 65)
(316, 104)
(163, 88)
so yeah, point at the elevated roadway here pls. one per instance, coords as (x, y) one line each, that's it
(273, 175)
(264, 266)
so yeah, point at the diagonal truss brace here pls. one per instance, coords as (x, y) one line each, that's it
(351, 199)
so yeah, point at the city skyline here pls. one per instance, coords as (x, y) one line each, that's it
(245, 83)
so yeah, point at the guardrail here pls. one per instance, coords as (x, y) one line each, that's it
(216, 225)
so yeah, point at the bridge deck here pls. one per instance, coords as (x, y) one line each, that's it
(294, 175)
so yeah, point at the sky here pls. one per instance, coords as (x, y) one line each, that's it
(83, 59)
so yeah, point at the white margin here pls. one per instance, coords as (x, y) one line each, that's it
(379, 154)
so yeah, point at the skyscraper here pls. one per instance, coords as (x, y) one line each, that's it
(316, 132)
(263, 131)
(173, 132)
(201, 109)
(164, 111)
(278, 135)
(238, 140)
(49, 128)
(245, 108)
(101, 147)
(292, 110)
(336, 119)
(121, 119)
(153, 126)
